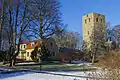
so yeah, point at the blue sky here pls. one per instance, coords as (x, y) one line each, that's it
(73, 10)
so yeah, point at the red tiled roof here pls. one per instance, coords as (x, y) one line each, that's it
(36, 44)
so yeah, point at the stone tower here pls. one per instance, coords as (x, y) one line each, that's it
(92, 22)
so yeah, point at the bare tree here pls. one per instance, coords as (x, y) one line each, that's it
(17, 23)
(67, 39)
(2, 16)
(116, 34)
(97, 42)
(39, 18)
(109, 32)
(4, 45)
(46, 19)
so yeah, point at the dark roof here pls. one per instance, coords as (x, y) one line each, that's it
(23, 42)
(70, 50)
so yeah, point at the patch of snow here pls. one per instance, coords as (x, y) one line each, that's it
(41, 76)
(80, 63)
(7, 75)
(26, 63)
(47, 75)
(4, 69)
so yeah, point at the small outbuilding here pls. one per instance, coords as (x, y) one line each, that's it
(67, 55)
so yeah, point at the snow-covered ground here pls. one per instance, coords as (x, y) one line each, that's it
(42, 76)
(46, 75)
(26, 63)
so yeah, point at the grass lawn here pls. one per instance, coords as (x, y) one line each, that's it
(54, 67)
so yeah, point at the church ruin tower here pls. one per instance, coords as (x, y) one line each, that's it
(92, 22)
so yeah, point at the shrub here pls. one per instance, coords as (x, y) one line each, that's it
(34, 54)
(110, 65)
(2, 55)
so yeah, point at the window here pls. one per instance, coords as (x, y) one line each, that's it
(21, 46)
(96, 19)
(24, 46)
(89, 19)
(27, 53)
(33, 43)
(85, 21)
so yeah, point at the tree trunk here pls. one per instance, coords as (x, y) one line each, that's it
(42, 52)
(14, 62)
(11, 63)
(93, 58)
(40, 56)
(12, 51)
(0, 36)
(40, 66)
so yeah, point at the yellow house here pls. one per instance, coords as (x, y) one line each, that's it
(30, 47)
(22, 53)
(27, 47)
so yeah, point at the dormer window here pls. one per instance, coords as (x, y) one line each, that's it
(33, 43)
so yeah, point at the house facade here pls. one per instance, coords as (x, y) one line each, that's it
(53, 48)
(22, 52)
(30, 47)
(27, 47)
